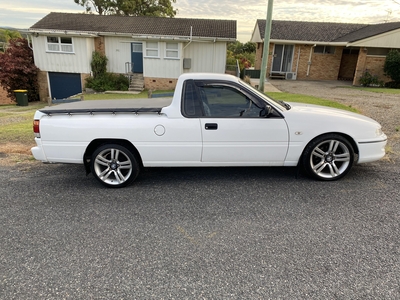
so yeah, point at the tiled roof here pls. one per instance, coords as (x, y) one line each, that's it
(368, 31)
(324, 32)
(137, 25)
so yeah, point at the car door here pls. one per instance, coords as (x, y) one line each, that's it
(237, 131)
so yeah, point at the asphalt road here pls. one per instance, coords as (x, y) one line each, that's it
(217, 233)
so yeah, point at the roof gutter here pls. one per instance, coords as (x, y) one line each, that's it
(275, 41)
(178, 38)
(37, 32)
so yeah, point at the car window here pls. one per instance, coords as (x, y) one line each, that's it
(222, 101)
(191, 106)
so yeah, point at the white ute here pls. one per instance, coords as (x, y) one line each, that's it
(212, 120)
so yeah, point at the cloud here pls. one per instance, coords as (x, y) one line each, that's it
(24, 13)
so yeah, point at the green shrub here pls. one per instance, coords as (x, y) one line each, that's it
(392, 85)
(392, 65)
(367, 79)
(98, 64)
(108, 82)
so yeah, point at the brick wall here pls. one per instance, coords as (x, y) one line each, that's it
(323, 66)
(159, 83)
(3, 97)
(361, 65)
(99, 45)
(83, 80)
(258, 58)
(372, 64)
(43, 86)
(301, 61)
(375, 64)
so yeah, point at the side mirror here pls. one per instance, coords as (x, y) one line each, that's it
(266, 111)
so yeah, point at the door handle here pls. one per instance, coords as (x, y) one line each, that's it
(211, 126)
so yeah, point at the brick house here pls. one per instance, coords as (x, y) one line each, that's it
(154, 51)
(326, 51)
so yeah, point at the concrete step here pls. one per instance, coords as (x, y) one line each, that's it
(137, 82)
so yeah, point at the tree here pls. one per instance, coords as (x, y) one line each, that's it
(100, 6)
(242, 53)
(240, 48)
(17, 69)
(249, 47)
(5, 36)
(392, 65)
(158, 8)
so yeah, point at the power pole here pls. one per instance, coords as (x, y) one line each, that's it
(267, 36)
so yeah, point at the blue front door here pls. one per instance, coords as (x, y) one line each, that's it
(137, 57)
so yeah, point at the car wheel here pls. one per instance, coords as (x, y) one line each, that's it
(328, 157)
(114, 166)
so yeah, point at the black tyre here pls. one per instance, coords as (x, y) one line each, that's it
(328, 157)
(114, 165)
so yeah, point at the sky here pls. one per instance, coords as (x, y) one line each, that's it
(22, 14)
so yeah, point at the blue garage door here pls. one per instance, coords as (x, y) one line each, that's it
(64, 85)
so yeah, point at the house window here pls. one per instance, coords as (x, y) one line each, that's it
(60, 44)
(152, 49)
(351, 51)
(324, 49)
(378, 51)
(172, 50)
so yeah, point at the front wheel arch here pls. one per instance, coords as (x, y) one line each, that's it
(329, 156)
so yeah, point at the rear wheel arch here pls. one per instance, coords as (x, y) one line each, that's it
(95, 144)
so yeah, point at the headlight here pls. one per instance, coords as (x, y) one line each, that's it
(379, 132)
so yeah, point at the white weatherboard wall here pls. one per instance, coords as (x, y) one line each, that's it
(206, 57)
(162, 67)
(118, 52)
(389, 40)
(76, 62)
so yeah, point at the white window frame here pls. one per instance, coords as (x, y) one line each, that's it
(150, 47)
(59, 46)
(170, 51)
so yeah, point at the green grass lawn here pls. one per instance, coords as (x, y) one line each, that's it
(115, 96)
(16, 123)
(287, 97)
(112, 96)
(374, 89)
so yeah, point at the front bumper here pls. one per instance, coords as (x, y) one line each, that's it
(371, 151)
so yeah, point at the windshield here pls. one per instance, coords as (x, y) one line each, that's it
(281, 104)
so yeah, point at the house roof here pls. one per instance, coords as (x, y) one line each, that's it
(369, 31)
(324, 32)
(137, 25)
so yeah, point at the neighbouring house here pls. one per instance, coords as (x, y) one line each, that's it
(326, 51)
(155, 51)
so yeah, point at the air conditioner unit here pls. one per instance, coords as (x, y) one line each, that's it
(290, 76)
